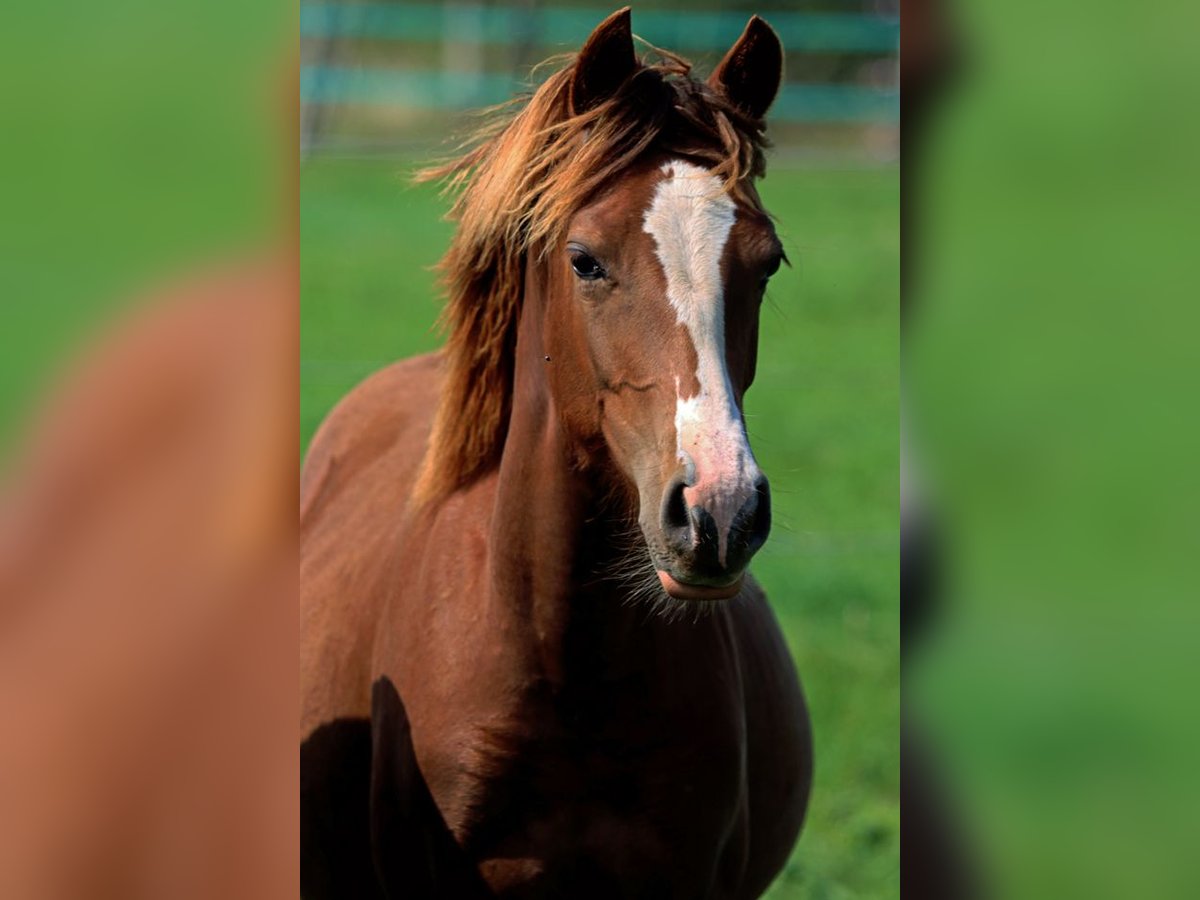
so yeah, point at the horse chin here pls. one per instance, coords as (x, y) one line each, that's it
(683, 591)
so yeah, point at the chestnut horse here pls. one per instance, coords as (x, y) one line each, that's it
(533, 664)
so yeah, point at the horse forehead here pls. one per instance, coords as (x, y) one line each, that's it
(617, 212)
(689, 216)
(685, 186)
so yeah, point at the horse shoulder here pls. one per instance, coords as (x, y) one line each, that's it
(359, 470)
(778, 736)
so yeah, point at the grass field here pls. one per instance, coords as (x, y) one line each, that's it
(822, 418)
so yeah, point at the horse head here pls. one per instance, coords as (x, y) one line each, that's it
(612, 227)
(654, 289)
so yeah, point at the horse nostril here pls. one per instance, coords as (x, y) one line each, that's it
(750, 526)
(761, 524)
(675, 508)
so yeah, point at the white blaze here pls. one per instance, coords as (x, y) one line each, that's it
(690, 218)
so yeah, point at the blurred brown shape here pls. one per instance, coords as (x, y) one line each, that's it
(147, 624)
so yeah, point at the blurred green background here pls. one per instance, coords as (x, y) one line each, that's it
(822, 417)
(1052, 382)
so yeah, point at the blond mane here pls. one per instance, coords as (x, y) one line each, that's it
(521, 178)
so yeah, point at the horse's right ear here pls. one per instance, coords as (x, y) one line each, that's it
(606, 60)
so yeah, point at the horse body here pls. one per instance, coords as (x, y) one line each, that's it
(493, 704)
(573, 744)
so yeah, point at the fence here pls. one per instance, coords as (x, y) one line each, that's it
(382, 72)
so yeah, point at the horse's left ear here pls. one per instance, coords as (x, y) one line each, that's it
(605, 61)
(749, 74)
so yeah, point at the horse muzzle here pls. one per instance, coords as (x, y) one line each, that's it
(709, 534)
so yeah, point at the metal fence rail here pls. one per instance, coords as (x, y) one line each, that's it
(431, 90)
(431, 58)
(694, 30)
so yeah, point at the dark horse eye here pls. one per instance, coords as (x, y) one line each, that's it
(772, 268)
(586, 267)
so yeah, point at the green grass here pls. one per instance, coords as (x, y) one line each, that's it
(822, 418)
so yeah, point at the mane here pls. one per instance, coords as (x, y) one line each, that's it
(521, 177)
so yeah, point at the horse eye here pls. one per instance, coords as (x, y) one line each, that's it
(586, 267)
(772, 268)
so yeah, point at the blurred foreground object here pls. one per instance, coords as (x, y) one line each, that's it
(147, 624)
(1052, 381)
(147, 632)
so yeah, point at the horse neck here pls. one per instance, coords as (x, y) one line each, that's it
(549, 540)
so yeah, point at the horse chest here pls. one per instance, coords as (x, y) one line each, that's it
(617, 792)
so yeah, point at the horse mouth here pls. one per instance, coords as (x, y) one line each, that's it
(681, 590)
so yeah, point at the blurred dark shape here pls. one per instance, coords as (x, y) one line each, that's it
(935, 863)
(928, 64)
(147, 619)
(920, 576)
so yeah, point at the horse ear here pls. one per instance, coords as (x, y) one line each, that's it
(606, 60)
(749, 74)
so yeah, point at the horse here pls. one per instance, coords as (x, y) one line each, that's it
(533, 663)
